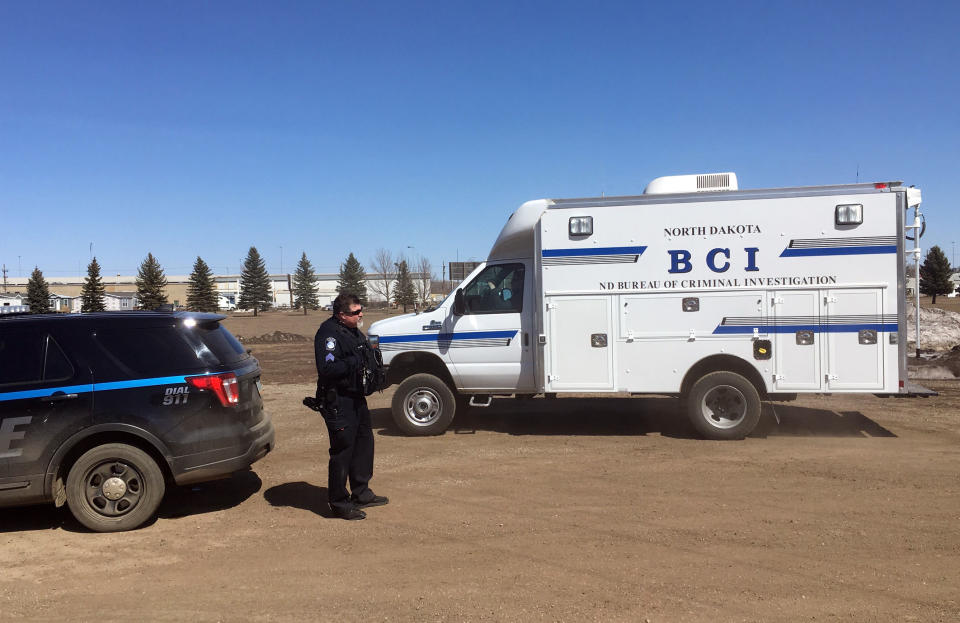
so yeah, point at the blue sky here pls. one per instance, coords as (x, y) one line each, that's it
(202, 128)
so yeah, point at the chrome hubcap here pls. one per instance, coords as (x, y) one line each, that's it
(422, 406)
(724, 406)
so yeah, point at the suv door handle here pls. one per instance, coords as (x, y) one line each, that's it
(57, 397)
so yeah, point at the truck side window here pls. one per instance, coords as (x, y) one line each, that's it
(498, 289)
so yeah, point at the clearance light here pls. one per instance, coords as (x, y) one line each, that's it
(849, 214)
(223, 385)
(879, 185)
(581, 225)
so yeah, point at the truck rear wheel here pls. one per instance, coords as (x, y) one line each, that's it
(723, 406)
(423, 405)
(114, 487)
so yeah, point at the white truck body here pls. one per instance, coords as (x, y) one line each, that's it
(666, 289)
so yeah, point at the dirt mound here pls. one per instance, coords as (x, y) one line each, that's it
(277, 337)
(939, 328)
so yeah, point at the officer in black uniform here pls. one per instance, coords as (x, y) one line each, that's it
(340, 349)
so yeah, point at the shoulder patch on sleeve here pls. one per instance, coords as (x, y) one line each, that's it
(331, 343)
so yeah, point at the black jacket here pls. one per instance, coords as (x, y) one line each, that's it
(339, 355)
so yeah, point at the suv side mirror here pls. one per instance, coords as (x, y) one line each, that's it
(459, 305)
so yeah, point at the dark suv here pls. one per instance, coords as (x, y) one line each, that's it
(102, 410)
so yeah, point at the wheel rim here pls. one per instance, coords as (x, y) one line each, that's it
(113, 488)
(422, 406)
(724, 406)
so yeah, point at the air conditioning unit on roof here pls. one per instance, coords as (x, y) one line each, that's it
(702, 182)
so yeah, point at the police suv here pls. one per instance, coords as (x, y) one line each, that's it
(103, 410)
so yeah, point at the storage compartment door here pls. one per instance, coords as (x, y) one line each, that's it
(797, 341)
(854, 328)
(580, 343)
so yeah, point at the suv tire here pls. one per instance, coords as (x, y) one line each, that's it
(423, 405)
(114, 487)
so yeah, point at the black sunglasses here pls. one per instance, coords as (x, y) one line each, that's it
(355, 312)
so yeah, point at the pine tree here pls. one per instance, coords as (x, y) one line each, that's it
(202, 288)
(151, 283)
(92, 292)
(353, 279)
(404, 294)
(935, 274)
(305, 286)
(254, 283)
(38, 293)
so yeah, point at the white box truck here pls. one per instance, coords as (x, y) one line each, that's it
(697, 289)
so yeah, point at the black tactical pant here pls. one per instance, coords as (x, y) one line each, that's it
(351, 452)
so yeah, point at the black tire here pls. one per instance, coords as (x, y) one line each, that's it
(114, 487)
(723, 406)
(423, 405)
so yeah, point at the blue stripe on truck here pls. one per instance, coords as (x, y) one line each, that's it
(446, 337)
(816, 328)
(868, 250)
(592, 251)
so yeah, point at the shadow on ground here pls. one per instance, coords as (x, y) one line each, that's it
(178, 502)
(636, 416)
(302, 495)
(209, 497)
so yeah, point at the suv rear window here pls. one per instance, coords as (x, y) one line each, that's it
(226, 348)
(170, 350)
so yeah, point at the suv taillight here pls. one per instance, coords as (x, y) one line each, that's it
(223, 385)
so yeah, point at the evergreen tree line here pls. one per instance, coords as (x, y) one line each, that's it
(202, 295)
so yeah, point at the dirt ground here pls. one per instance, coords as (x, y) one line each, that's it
(568, 510)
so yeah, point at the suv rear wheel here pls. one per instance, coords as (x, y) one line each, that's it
(114, 487)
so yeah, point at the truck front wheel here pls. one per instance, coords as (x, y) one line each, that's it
(723, 406)
(423, 405)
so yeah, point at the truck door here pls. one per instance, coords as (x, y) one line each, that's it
(797, 339)
(853, 324)
(490, 344)
(44, 399)
(580, 343)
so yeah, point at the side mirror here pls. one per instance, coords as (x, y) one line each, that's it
(459, 305)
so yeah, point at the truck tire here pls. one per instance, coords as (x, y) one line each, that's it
(423, 405)
(723, 406)
(114, 487)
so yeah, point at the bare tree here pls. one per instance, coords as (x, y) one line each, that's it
(386, 272)
(421, 282)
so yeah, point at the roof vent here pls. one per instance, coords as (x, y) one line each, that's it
(705, 182)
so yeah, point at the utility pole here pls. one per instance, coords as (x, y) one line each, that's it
(4, 277)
